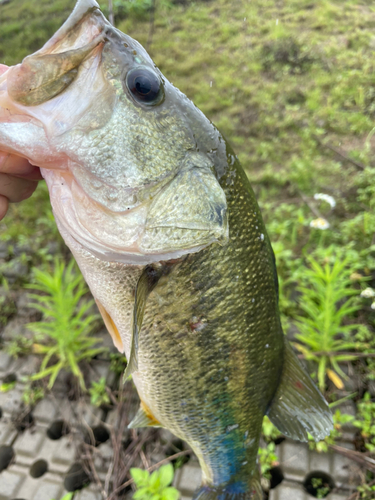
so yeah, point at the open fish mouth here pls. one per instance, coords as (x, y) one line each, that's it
(126, 179)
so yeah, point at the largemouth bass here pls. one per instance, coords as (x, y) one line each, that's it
(163, 223)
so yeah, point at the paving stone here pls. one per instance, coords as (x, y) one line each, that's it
(31, 486)
(10, 402)
(88, 494)
(106, 451)
(29, 366)
(190, 478)
(25, 306)
(5, 362)
(288, 491)
(7, 432)
(339, 496)
(294, 457)
(47, 490)
(29, 443)
(341, 467)
(10, 482)
(65, 451)
(101, 368)
(320, 461)
(14, 328)
(45, 411)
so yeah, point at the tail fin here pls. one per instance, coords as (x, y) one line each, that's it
(231, 491)
(298, 406)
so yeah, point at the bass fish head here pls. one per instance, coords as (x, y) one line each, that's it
(125, 155)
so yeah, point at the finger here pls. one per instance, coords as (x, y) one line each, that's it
(15, 165)
(15, 188)
(3, 68)
(3, 206)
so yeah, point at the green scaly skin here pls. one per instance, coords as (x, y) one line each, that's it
(211, 346)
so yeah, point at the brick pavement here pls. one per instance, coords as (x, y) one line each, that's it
(33, 444)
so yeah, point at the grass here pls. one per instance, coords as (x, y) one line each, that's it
(288, 83)
(64, 335)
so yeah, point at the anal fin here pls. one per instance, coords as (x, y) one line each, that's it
(298, 407)
(143, 418)
(146, 283)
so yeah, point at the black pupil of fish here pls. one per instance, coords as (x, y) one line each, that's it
(144, 85)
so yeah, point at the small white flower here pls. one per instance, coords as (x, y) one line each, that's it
(373, 305)
(325, 197)
(368, 293)
(319, 223)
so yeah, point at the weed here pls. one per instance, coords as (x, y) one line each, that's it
(321, 489)
(19, 346)
(327, 300)
(66, 324)
(154, 486)
(367, 491)
(98, 393)
(7, 306)
(7, 386)
(68, 496)
(269, 431)
(287, 53)
(118, 363)
(32, 394)
(267, 459)
(365, 421)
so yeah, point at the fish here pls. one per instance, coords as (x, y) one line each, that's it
(161, 218)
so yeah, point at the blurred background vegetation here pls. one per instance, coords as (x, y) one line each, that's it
(291, 85)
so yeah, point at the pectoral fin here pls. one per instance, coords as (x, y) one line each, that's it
(146, 283)
(298, 407)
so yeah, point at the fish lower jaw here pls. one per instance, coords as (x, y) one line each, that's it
(109, 236)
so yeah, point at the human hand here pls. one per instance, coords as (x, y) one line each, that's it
(18, 178)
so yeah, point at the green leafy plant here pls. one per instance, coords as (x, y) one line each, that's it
(266, 454)
(19, 346)
(365, 421)
(322, 489)
(118, 363)
(366, 491)
(267, 458)
(327, 300)
(66, 324)
(269, 431)
(98, 393)
(68, 496)
(31, 395)
(7, 386)
(154, 486)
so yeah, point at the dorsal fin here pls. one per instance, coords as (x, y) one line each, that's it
(298, 407)
(146, 283)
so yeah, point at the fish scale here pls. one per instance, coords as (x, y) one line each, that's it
(196, 365)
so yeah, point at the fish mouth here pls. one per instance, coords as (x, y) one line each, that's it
(49, 71)
(56, 107)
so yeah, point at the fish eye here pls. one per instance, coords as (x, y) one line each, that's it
(144, 85)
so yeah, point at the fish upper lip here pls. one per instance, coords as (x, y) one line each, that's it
(85, 11)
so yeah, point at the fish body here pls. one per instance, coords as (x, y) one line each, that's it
(165, 227)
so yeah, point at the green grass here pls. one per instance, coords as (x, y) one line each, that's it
(281, 80)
